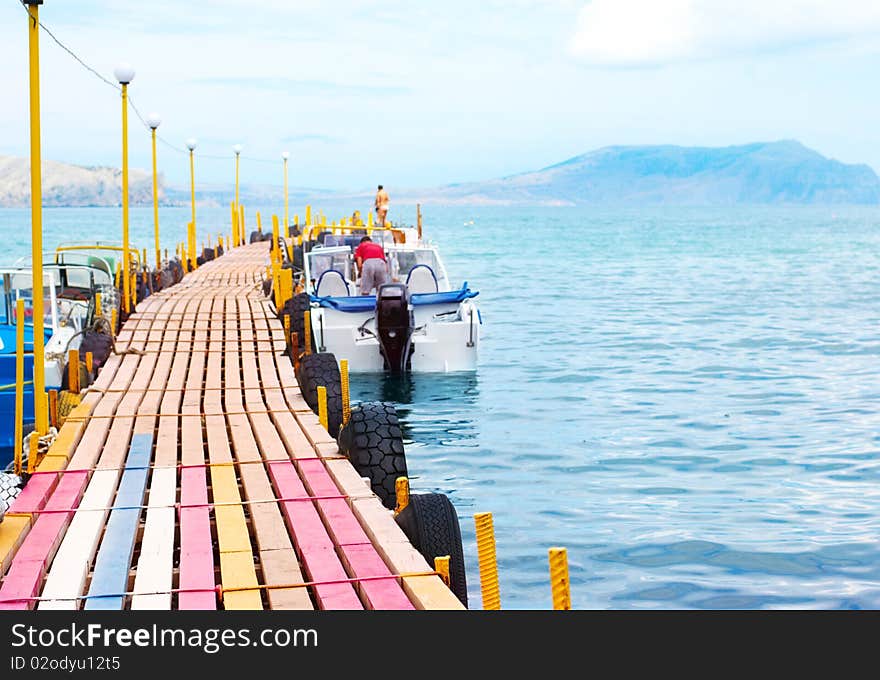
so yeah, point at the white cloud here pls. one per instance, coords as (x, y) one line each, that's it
(650, 32)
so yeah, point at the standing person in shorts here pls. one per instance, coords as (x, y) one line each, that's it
(371, 264)
(382, 201)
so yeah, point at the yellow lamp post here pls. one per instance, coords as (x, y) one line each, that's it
(41, 415)
(125, 74)
(285, 155)
(191, 145)
(239, 236)
(154, 121)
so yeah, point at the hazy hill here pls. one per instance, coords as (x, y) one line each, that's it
(774, 172)
(71, 185)
(768, 173)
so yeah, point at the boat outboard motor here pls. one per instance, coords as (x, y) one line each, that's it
(394, 323)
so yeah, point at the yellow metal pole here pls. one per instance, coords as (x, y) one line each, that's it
(307, 332)
(156, 202)
(233, 212)
(441, 566)
(53, 408)
(346, 396)
(487, 560)
(322, 406)
(286, 285)
(285, 156)
(90, 362)
(41, 417)
(33, 452)
(241, 223)
(19, 382)
(73, 371)
(191, 145)
(308, 215)
(401, 492)
(559, 583)
(237, 156)
(259, 222)
(125, 262)
(98, 311)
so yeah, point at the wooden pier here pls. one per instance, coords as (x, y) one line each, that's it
(193, 475)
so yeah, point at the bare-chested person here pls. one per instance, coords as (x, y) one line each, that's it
(381, 205)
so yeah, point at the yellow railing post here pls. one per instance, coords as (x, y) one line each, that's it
(19, 382)
(33, 452)
(53, 408)
(307, 332)
(294, 348)
(322, 407)
(559, 583)
(346, 395)
(40, 416)
(308, 215)
(401, 492)
(72, 371)
(441, 566)
(286, 286)
(259, 222)
(126, 264)
(90, 362)
(98, 310)
(487, 560)
(113, 322)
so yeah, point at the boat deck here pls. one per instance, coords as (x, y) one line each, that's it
(193, 475)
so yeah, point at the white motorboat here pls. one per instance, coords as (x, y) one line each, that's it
(418, 322)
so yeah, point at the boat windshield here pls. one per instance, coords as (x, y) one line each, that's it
(402, 262)
(321, 261)
(17, 285)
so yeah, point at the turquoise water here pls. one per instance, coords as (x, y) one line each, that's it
(685, 399)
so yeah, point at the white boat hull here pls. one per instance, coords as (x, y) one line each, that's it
(446, 338)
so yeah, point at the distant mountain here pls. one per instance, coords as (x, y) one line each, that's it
(764, 173)
(71, 185)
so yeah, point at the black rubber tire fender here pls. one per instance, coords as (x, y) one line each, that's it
(431, 525)
(296, 307)
(373, 441)
(321, 369)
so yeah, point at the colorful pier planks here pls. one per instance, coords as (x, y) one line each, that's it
(193, 475)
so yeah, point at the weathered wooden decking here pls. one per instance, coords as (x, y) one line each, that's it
(193, 475)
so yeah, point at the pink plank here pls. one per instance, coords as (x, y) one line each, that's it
(381, 594)
(314, 544)
(343, 524)
(36, 552)
(196, 553)
(35, 494)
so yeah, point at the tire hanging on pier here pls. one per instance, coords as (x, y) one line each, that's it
(316, 370)
(373, 442)
(296, 307)
(431, 525)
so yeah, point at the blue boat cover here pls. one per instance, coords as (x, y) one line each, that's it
(367, 303)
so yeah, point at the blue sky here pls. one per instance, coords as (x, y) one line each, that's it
(421, 93)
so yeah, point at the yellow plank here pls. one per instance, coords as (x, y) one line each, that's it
(237, 571)
(232, 532)
(12, 532)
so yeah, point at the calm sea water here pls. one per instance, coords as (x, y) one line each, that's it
(685, 399)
